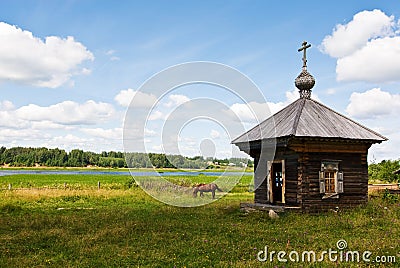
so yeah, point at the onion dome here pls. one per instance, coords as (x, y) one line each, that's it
(305, 82)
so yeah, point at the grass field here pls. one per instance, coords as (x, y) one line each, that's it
(46, 225)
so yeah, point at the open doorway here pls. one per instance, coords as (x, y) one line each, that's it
(277, 182)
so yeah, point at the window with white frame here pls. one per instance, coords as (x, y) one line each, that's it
(330, 178)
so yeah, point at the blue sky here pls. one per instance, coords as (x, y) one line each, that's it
(69, 68)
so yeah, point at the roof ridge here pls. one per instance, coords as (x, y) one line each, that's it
(297, 117)
(351, 120)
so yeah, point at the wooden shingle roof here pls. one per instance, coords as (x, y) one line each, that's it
(309, 118)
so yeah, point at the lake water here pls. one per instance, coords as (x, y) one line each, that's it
(123, 173)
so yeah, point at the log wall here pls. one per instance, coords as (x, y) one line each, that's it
(352, 162)
(260, 193)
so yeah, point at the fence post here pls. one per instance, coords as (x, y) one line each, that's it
(9, 186)
(65, 185)
(98, 185)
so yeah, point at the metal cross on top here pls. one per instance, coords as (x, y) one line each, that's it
(304, 48)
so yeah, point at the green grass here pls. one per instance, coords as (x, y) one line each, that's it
(57, 181)
(124, 227)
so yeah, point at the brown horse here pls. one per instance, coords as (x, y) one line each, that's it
(211, 187)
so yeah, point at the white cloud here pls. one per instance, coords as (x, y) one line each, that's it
(68, 112)
(62, 125)
(348, 38)
(8, 117)
(149, 133)
(69, 142)
(113, 134)
(155, 115)
(8, 120)
(176, 100)
(58, 116)
(48, 125)
(373, 103)
(377, 61)
(17, 134)
(215, 134)
(27, 59)
(388, 126)
(293, 95)
(254, 112)
(86, 71)
(158, 148)
(387, 149)
(6, 105)
(251, 112)
(331, 91)
(187, 145)
(367, 48)
(111, 53)
(124, 98)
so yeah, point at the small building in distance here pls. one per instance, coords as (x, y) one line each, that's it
(319, 157)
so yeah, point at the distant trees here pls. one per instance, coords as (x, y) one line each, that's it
(138, 160)
(165, 161)
(28, 157)
(383, 171)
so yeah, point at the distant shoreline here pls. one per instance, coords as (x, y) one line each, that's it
(230, 169)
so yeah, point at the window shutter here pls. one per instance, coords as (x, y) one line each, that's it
(322, 182)
(339, 183)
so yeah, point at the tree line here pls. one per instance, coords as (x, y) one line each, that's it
(28, 157)
(384, 171)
